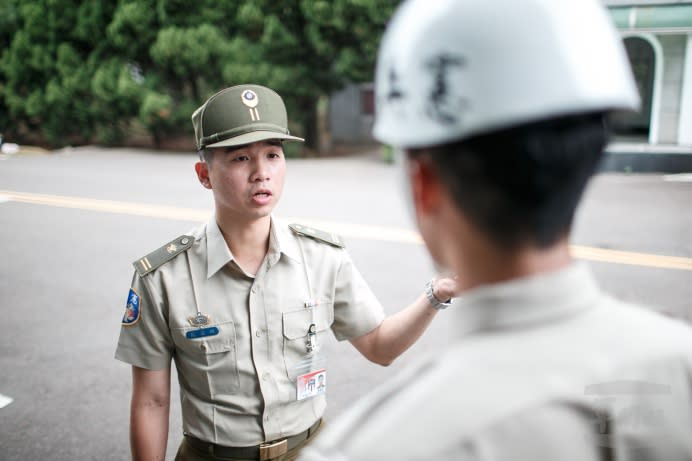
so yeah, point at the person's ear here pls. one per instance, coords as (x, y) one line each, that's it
(202, 170)
(425, 186)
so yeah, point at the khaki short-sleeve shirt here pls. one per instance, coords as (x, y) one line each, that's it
(237, 385)
(544, 368)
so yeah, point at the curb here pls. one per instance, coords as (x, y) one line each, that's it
(647, 158)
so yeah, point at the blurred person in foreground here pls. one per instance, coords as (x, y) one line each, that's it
(500, 110)
(243, 304)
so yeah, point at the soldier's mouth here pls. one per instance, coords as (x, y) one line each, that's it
(262, 197)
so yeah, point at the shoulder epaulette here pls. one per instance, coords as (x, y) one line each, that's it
(321, 236)
(164, 254)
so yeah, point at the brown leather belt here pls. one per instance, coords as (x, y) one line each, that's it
(262, 452)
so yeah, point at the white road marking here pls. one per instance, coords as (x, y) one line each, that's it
(682, 177)
(348, 230)
(5, 400)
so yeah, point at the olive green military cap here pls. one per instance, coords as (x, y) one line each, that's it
(241, 115)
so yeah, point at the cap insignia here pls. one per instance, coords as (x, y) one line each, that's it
(250, 99)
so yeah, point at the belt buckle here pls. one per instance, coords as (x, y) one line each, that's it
(272, 450)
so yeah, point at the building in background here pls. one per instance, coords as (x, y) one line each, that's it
(352, 114)
(658, 39)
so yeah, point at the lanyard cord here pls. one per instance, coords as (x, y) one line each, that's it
(312, 301)
(192, 280)
(311, 304)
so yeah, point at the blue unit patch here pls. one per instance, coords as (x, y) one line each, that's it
(202, 332)
(132, 309)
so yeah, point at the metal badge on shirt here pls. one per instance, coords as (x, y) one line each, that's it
(201, 321)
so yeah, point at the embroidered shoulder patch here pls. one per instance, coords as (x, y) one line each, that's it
(164, 254)
(131, 309)
(322, 236)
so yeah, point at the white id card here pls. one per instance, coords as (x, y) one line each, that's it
(311, 384)
(310, 376)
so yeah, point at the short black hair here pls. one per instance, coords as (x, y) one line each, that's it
(205, 154)
(521, 186)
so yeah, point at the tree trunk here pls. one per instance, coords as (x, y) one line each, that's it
(308, 109)
(157, 138)
(324, 135)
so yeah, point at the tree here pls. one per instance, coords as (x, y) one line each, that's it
(306, 49)
(9, 25)
(76, 71)
(47, 65)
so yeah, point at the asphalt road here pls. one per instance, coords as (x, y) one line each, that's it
(73, 221)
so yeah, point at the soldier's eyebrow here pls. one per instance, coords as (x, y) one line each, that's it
(230, 149)
(271, 142)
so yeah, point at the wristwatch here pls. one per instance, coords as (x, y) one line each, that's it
(436, 303)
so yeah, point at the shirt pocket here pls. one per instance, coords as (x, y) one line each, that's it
(208, 363)
(295, 331)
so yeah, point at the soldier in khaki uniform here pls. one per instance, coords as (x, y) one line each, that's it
(500, 109)
(243, 303)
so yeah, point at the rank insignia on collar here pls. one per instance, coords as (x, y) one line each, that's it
(199, 320)
(316, 234)
(132, 309)
(155, 259)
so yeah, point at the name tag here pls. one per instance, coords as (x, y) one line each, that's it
(202, 332)
(311, 384)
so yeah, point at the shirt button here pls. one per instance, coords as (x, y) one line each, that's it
(203, 346)
(266, 376)
(258, 333)
(254, 288)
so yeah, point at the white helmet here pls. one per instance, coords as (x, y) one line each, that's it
(451, 69)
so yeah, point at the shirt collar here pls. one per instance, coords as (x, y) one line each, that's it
(528, 301)
(283, 240)
(218, 253)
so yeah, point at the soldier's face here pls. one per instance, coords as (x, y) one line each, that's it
(247, 182)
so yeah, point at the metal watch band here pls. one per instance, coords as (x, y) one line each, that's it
(434, 302)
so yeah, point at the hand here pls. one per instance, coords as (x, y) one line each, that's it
(445, 288)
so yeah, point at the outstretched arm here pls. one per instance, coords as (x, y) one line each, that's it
(149, 412)
(398, 332)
